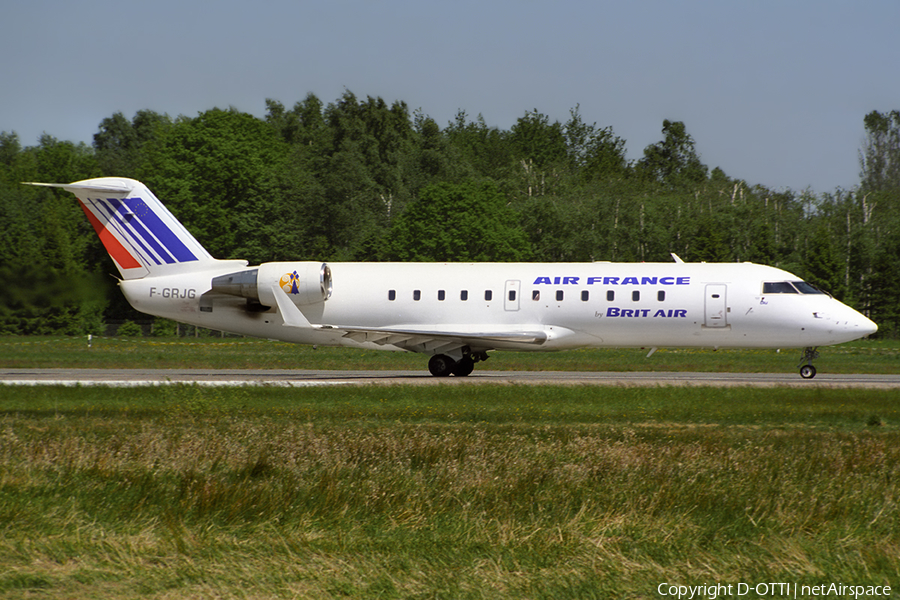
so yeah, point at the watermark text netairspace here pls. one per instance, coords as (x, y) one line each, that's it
(771, 590)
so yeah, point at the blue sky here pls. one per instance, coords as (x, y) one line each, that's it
(773, 92)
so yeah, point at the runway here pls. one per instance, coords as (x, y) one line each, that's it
(309, 378)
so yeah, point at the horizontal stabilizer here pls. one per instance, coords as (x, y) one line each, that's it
(114, 187)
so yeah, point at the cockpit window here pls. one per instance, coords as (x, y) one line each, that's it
(790, 287)
(778, 287)
(806, 288)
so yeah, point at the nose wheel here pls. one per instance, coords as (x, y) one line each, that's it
(808, 371)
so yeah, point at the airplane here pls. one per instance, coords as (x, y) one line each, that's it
(457, 312)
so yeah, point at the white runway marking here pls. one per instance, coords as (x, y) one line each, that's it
(300, 378)
(132, 383)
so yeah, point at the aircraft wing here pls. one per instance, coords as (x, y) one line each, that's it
(443, 340)
(432, 339)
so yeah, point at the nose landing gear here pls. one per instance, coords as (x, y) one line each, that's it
(808, 371)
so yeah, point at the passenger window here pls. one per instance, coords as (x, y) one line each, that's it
(661, 295)
(559, 295)
(635, 296)
(464, 295)
(512, 295)
(585, 295)
(441, 295)
(392, 295)
(610, 296)
(536, 295)
(417, 295)
(488, 294)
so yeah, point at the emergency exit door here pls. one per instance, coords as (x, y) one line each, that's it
(511, 295)
(715, 306)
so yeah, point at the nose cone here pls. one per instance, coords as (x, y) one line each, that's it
(838, 323)
(866, 326)
(855, 325)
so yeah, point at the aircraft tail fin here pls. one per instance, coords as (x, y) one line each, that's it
(138, 231)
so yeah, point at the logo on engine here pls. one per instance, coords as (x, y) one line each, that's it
(288, 283)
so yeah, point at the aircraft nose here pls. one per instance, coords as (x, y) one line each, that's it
(859, 324)
(850, 324)
(866, 325)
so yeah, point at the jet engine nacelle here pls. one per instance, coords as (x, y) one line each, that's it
(303, 282)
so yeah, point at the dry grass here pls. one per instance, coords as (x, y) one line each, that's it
(268, 493)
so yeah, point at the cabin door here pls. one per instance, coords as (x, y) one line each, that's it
(511, 295)
(716, 308)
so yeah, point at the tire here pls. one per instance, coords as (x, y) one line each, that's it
(464, 367)
(807, 371)
(441, 365)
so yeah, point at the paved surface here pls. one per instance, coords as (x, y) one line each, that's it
(303, 378)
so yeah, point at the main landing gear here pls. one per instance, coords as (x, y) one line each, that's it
(808, 371)
(441, 365)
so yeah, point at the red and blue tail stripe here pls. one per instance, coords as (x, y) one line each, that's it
(124, 259)
(147, 233)
(140, 234)
(143, 215)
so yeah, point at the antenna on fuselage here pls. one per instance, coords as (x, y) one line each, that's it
(676, 257)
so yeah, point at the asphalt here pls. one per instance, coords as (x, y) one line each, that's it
(305, 378)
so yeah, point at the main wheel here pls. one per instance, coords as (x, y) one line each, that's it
(807, 371)
(464, 366)
(441, 365)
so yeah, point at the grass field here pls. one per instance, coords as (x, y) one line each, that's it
(441, 492)
(402, 492)
(865, 356)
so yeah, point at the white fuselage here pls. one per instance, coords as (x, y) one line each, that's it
(456, 312)
(718, 305)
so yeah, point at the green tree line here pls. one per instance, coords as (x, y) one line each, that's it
(361, 179)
